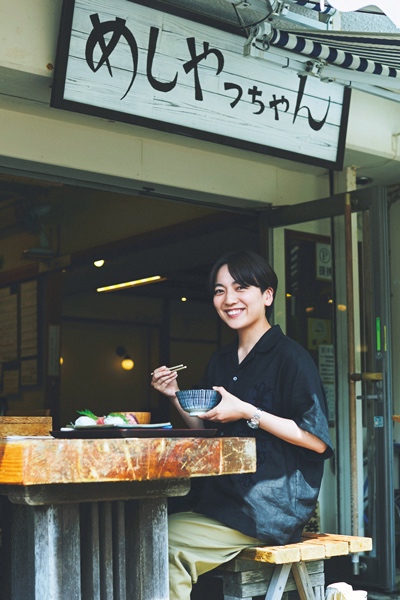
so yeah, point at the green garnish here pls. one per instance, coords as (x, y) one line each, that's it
(117, 414)
(87, 413)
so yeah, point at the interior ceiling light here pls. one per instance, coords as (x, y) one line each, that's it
(127, 284)
(98, 263)
(363, 180)
(127, 363)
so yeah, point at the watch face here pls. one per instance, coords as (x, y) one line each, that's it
(252, 424)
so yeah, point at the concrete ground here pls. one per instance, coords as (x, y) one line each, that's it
(211, 588)
(383, 596)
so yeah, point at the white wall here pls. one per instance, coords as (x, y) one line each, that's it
(373, 125)
(136, 156)
(28, 34)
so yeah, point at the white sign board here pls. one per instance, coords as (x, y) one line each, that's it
(121, 60)
(326, 365)
(323, 262)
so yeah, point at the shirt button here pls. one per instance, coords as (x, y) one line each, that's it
(234, 378)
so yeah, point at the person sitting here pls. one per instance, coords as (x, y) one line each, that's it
(271, 390)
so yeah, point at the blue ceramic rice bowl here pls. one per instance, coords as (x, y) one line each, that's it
(197, 402)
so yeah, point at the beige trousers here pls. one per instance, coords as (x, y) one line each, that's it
(198, 544)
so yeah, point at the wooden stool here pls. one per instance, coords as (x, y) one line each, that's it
(275, 570)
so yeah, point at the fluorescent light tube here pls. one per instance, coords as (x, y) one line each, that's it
(127, 284)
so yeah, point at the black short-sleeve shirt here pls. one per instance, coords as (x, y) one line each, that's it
(274, 503)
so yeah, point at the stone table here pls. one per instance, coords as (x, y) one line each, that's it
(86, 519)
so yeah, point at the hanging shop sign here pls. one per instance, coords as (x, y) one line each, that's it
(129, 62)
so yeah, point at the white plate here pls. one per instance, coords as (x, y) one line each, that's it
(145, 425)
(92, 426)
(125, 426)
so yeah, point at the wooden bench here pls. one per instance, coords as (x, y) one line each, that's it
(28, 425)
(273, 571)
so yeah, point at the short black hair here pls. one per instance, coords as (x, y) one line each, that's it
(247, 268)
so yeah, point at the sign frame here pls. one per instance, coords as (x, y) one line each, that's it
(62, 88)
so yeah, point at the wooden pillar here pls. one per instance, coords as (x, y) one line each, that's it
(57, 552)
(20, 538)
(148, 531)
(119, 550)
(106, 551)
(90, 550)
(52, 312)
(45, 552)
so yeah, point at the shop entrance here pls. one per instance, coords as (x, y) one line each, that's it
(311, 253)
(333, 258)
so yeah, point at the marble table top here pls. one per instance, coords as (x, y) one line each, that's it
(46, 460)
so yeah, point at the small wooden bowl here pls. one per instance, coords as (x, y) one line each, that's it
(142, 417)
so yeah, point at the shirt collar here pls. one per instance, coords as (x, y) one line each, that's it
(264, 344)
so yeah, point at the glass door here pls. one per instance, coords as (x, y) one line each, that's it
(332, 260)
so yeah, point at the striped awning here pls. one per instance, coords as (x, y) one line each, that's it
(367, 53)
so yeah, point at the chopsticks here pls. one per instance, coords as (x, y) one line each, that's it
(175, 368)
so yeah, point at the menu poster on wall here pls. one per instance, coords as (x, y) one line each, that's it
(29, 374)
(18, 337)
(28, 312)
(326, 365)
(8, 325)
(10, 382)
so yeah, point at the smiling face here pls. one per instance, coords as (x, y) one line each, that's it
(241, 307)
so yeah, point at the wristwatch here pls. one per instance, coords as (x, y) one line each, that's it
(254, 422)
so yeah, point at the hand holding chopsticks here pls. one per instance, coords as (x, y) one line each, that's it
(164, 380)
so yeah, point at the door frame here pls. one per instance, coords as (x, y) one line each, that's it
(378, 568)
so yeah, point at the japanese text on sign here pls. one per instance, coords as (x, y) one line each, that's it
(119, 29)
(144, 66)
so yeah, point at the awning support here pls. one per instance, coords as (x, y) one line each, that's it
(330, 56)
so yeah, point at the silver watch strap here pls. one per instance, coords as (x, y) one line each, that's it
(255, 420)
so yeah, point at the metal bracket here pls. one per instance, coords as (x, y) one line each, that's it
(259, 5)
(258, 41)
(314, 68)
(282, 10)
